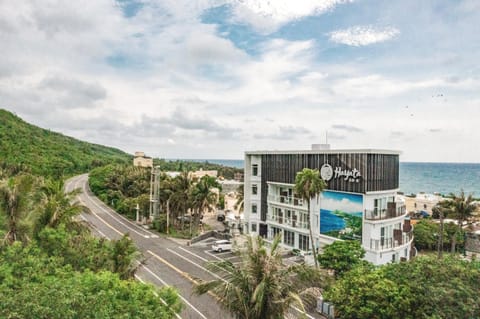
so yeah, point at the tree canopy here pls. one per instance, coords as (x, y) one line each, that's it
(425, 287)
(341, 256)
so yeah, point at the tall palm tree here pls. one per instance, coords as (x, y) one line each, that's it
(203, 197)
(59, 207)
(460, 207)
(308, 185)
(16, 195)
(179, 199)
(240, 199)
(261, 287)
(440, 209)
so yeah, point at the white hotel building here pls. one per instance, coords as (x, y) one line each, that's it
(359, 202)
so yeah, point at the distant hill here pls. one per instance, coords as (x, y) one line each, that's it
(48, 153)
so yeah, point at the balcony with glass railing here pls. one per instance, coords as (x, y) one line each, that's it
(287, 200)
(291, 222)
(399, 239)
(393, 210)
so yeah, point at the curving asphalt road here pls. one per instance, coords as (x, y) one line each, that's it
(167, 262)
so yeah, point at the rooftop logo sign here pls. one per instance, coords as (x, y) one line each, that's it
(327, 173)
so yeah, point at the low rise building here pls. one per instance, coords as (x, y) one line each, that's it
(141, 160)
(359, 203)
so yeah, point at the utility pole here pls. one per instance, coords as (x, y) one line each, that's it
(168, 215)
(154, 193)
(138, 213)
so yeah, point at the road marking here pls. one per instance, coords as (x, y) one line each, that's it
(167, 285)
(197, 265)
(209, 253)
(156, 294)
(120, 222)
(224, 253)
(108, 213)
(189, 252)
(183, 273)
(148, 270)
(231, 257)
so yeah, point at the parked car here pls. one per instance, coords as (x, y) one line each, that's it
(222, 245)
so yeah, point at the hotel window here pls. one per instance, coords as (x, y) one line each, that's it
(275, 231)
(254, 228)
(255, 170)
(254, 208)
(289, 238)
(254, 189)
(303, 242)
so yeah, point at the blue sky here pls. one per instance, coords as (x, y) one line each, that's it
(214, 78)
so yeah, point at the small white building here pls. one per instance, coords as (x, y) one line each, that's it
(359, 203)
(141, 160)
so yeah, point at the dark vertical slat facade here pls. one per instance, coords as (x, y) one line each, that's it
(379, 171)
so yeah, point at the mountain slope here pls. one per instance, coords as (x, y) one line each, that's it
(48, 153)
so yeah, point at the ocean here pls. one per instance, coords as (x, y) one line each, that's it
(443, 178)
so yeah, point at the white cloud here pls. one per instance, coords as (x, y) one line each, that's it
(363, 35)
(344, 205)
(267, 16)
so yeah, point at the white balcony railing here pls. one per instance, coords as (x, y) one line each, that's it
(287, 200)
(287, 222)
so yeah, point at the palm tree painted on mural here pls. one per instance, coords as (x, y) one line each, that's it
(309, 185)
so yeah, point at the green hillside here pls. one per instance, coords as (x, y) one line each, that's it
(48, 153)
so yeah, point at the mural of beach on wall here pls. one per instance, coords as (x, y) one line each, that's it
(341, 215)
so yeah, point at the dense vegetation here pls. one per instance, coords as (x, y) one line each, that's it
(52, 267)
(425, 287)
(48, 153)
(125, 186)
(185, 165)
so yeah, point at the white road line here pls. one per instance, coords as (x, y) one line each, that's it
(224, 253)
(209, 253)
(232, 257)
(189, 252)
(156, 294)
(197, 265)
(119, 221)
(181, 297)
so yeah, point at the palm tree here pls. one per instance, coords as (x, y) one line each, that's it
(240, 199)
(124, 257)
(203, 197)
(308, 185)
(460, 207)
(261, 287)
(179, 199)
(15, 202)
(59, 207)
(440, 209)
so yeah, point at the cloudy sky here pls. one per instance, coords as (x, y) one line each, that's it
(213, 78)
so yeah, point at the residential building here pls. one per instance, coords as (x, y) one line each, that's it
(360, 201)
(141, 160)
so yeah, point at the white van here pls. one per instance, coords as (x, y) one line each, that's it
(222, 245)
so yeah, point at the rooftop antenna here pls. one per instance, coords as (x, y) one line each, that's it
(326, 137)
